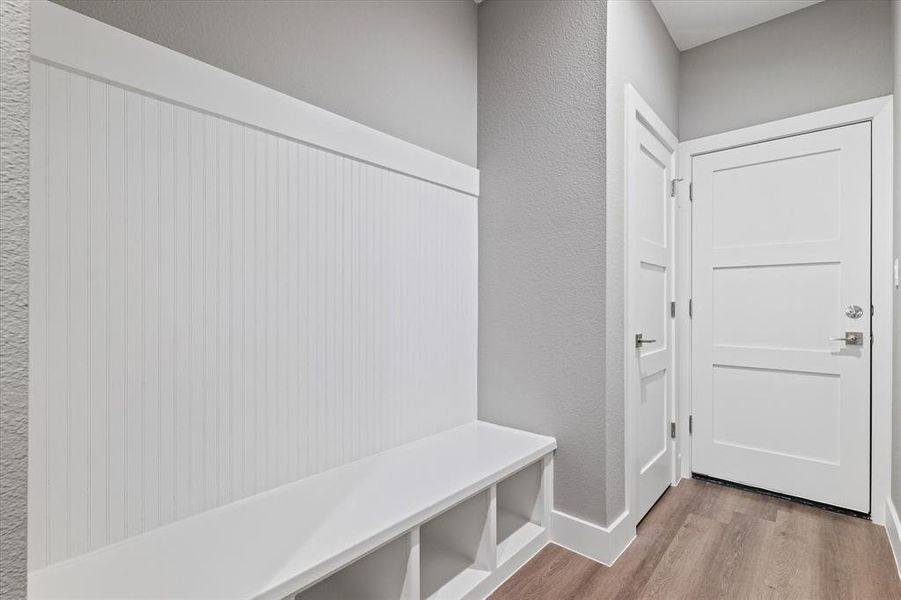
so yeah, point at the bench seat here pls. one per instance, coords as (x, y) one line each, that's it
(276, 543)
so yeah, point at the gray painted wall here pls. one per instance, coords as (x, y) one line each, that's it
(641, 52)
(541, 234)
(405, 68)
(896, 368)
(832, 53)
(15, 18)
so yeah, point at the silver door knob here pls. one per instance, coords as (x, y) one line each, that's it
(852, 338)
(854, 312)
(639, 340)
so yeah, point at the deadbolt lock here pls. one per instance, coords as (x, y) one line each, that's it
(854, 312)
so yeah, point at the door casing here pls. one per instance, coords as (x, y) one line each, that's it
(878, 111)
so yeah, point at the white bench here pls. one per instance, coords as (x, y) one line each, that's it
(448, 516)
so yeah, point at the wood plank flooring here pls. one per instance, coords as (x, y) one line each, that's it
(704, 540)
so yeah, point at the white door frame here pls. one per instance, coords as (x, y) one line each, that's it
(878, 111)
(637, 109)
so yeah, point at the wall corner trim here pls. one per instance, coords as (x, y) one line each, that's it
(893, 530)
(68, 39)
(602, 544)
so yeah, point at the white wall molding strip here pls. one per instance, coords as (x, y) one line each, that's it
(603, 544)
(893, 530)
(63, 37)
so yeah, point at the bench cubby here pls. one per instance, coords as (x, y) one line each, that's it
(384, 574)
(457, 549)
(521, 515)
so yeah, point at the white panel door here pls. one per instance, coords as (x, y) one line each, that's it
(651, 163)
(781, 255)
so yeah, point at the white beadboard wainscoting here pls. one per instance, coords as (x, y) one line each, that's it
(218, 309)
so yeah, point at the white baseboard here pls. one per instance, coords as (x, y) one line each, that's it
(893, 529)
(603, 544)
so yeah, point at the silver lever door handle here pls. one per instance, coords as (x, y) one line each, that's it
(852, 338)
(639, 340)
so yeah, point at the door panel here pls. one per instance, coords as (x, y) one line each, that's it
(651, 413)
(791, 413)
(650, 217)
(780, 249)
(745, 298)
(755, 212)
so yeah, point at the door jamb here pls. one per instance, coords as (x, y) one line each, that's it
(877, 111)
(637, 109)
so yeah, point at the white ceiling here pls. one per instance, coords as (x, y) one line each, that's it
(695, 22)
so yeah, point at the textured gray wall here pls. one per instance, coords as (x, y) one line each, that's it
(542, 233)
(896, 368)
(14, 117)
(832, 53)
(640, 52)
(405, 68)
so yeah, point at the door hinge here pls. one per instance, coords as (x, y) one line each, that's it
(672, 186)
(690, 424)
(672, 430)
(690, 308)
(691, 191)
(672, 309)
(872, 311)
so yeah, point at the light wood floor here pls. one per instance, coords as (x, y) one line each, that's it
(703, 540)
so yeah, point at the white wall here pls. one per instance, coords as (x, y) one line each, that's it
(217, 310)
(831, 53)
(405, 68)
(896, 369)
(640, 52)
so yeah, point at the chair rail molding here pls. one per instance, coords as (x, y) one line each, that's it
(64, 37)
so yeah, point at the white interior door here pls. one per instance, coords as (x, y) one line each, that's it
(650, 166)
(781, 258)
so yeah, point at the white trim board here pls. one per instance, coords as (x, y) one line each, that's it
(893, 531)
(603, 544)
(878, 111)
(865, 110)
(66, 38)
